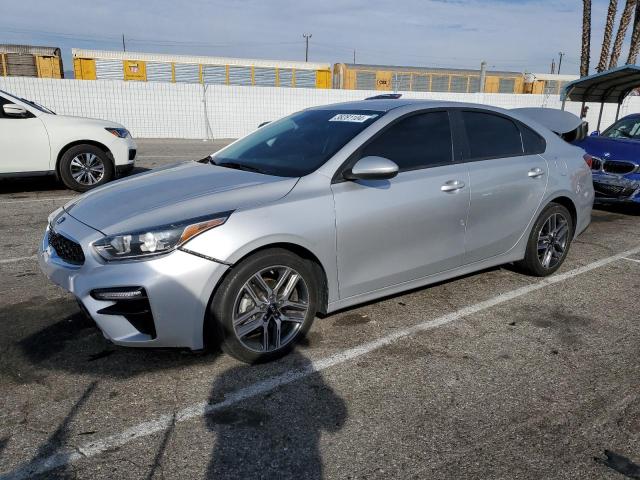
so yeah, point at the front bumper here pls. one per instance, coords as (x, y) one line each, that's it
(124, 152)
(611, 188)
(178, 286)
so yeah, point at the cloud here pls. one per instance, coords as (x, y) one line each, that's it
(508, 34)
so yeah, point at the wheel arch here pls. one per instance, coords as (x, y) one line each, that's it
(569, 204)
(75, 143)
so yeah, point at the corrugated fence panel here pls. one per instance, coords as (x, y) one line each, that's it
(420, 83)
(459, 84)
(402, 82)
(440, 83)
(187, 73)
(109, 69)
(215, 74)
(21, 65)
(305, 79)
(286, 77)
(506, 85)
(365, 80)
(158, 72)
(239, 75)
(170, 110)
(265, 77)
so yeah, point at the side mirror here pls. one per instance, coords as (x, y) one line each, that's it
(595, 133)
(372, 168)
(13, 110)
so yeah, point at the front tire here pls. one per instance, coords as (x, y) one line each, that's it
(549, 241)
(265, 305)
(84, 167)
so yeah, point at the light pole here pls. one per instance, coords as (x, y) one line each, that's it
(306, 36)
(560, 62)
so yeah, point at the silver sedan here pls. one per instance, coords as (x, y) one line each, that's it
(324, 209)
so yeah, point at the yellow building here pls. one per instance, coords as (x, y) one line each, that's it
(30, 61)
(136, 66)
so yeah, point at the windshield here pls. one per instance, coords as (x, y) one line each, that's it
(625, 128)
(296, 145)
(35, 105)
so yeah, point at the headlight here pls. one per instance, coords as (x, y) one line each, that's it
(118, 132)
(154, 241)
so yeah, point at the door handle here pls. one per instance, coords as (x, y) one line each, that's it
(452, 186)
(535, 172)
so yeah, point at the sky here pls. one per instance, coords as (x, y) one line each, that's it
(516, 35)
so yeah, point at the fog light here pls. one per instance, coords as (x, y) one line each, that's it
(119, 293)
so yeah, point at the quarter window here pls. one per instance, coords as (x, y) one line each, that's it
(491, 136)
(531, 141)
(418, 141)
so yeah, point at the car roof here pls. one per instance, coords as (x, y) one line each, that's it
(382, 105)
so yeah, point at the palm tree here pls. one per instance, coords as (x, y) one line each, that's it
(625, 19)
(606, 41)
(635, 37)
(586, 38)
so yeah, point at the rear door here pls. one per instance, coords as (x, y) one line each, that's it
(24, 143)
(408, 227)
(507, 182)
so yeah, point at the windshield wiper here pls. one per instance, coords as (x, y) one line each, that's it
(238, 166)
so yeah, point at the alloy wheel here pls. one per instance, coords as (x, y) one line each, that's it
(87, 169)
(552, 240)
(270, 309)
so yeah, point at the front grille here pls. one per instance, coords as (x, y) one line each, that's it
(132, 153)
(66, 249)
(612, 191)
(618, 167)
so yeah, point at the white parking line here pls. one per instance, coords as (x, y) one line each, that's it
(31, 200)
(632, 259)
(17, 259)
(161, 423)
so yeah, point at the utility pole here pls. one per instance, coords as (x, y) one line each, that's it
(553, 66)
(306, 36)
(483, 76)
(124, 46)
(354, 55)
(560, 62)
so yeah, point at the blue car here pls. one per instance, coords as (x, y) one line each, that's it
(615, 161)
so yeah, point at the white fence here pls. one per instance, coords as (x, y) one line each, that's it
(174, 110)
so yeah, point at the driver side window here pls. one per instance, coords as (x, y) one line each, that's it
(417, 141)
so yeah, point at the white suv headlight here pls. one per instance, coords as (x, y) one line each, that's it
(154, 241)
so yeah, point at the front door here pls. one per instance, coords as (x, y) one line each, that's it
(24, 143)
(411, 226)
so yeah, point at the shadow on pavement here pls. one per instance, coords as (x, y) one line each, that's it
(274, 435)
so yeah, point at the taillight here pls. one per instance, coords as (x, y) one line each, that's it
(588, 159)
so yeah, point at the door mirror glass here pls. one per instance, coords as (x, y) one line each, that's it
(595, 133)
(13, 110)
(372, 168)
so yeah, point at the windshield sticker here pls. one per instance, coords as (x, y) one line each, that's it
(351, 117)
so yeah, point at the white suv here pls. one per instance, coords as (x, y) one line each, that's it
(82, 152)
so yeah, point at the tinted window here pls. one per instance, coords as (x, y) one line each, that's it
(418, 141)
(296, 145)
(531, 141)
(625, 128)
(491, 135)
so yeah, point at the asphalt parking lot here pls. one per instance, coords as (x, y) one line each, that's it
(495, 375)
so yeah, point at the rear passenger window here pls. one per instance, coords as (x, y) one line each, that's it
(491, 136)
(531, 141)
(418, 141)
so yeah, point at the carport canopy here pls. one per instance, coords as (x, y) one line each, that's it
(611, 86)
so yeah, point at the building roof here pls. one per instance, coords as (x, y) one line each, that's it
(30, 50)
(204, 60)
(606, 87)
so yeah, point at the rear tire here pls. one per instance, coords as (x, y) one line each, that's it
(84, 167)
(264, 306)
(549, 241)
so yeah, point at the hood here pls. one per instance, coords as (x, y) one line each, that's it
(83, 121)
(172, 194)
(611, 148)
